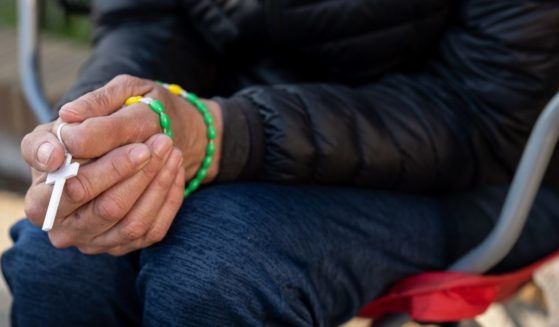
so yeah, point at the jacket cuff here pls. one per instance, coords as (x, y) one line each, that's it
(242, 146)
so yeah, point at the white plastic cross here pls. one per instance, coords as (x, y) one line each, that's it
(58, 178)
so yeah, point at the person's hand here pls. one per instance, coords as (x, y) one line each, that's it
(123, 201)
(102, 117)
(114, 205)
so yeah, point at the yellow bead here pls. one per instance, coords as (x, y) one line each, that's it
(133, 100)
(175, 89)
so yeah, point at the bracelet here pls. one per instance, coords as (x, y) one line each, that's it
(208, 120)
(158, 108)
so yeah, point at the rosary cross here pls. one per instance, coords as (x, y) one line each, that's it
(58, 178)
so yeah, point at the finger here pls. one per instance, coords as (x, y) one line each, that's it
(165, 218)
(134, 124)
(41, 149)
(104, 100)
(92, 179)
(140, 219)
(108, 208)
(168, 212)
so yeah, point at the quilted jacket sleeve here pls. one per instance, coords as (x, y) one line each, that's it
(461, 121)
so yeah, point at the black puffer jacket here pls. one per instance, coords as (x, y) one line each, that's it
(424, 95)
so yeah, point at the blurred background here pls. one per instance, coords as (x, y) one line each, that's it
(65, 38)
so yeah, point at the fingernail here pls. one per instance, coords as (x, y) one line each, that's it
(67, 109)
(68, 106)
(139, 154)
(162, 145)
(44, 153)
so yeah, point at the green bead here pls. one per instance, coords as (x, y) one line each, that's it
(211, 132)
(208, 118)
(193, 185)
(186, 192)
(192, 98)
(189, 188)
(158, 82)
(207, 162)
(210, 149)
(201, 107)
(165, 121)
(169, 133)
(201, 174)
(157, 106)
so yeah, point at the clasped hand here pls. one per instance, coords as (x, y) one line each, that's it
(131, 180)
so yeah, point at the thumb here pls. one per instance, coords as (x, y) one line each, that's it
(105, 100)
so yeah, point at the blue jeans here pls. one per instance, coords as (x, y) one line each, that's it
(255, 254)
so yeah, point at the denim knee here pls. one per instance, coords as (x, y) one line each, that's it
(217, 265)
(22, 263)
(54, 287)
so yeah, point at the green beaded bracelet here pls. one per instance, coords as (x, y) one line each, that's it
(157, 107)
(211, 133)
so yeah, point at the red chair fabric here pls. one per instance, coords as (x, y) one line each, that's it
(449, 296)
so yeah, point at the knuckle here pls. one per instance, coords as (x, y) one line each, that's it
(60, 240)
(151, 169)
(77, 189)
(26, 142)
(153, 125)
(109, 209)
(124, 78)
(133, 231)
(176, 202)
(41, 127)
(98, 98)
(33, 212)
(150, 125)
(77, 141)
(155, 235)
(34, 207)
(165, 179)
(120, 168)
(126, 81)
(132, 134)
(160, 94)
(28, 148)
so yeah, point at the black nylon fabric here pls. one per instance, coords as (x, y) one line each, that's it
(419, 95)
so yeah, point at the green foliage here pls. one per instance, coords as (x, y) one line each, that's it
(53, 20)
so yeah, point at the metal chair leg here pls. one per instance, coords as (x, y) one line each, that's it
(29, 60)
(520, 198)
